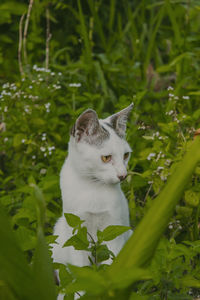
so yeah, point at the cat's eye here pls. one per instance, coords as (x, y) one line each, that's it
(106, 158)
(126, 155)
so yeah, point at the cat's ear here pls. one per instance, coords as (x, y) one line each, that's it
(118, 121)
(87, 127)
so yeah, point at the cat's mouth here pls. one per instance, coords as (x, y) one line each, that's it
(108, 182)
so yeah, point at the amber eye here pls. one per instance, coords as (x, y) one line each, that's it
(126, 155)
(106, 158)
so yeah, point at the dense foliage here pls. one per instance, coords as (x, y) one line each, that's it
(58, 58)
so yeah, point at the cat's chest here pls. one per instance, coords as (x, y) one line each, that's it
(91, 197)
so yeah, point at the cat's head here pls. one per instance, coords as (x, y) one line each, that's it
(98, 148)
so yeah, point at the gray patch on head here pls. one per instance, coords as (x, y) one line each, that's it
(88, 129)
(99, 138)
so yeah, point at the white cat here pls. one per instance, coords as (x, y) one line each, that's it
(90, 182)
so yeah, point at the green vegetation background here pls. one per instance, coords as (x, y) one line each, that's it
(58, 58)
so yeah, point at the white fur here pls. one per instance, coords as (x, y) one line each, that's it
(91, 189)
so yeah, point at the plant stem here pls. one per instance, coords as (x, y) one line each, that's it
(26, 30)
(20, 46)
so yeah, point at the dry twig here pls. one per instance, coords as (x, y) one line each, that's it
(26, 29)
(20, 46)
(48, 37)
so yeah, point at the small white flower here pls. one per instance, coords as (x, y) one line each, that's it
(171, 95)
(150, 182)
(151, 155)
(52, 73)
(43, 171)
(33, 157)
(186, 97)
(42, 149)
(6, 85)
(30, 87)
(170, 112)
(170, 88)
(5, 139)
(5, 109)
(160, 168)
(75, 84)
(163, 178)
(23, 141)
(170, 226)
(26, 109)
(13, 87)
(168, 162)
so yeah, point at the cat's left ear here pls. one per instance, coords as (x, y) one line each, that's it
(118, 121)
(87, 128)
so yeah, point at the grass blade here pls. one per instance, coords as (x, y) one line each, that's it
(15, 273)
(42, 267)
(88, 51)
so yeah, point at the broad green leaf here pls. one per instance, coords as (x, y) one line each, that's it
(42, 267)
(73, 220)
(13, 7)
(40, 204)
(38, 122)
(88, 280)
(14, 270)
(183, 211)
(101, 253)
(195, 93)
(191, 198)
(190, 281)
(42, 270)
(17, 140)
(135, 296)
(25, 238)
(78, 241)
(126, 277)
(111, 232)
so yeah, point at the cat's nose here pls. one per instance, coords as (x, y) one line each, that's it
(122, 177)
